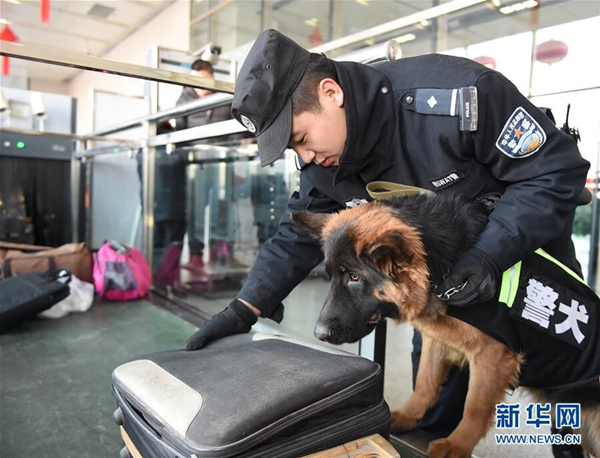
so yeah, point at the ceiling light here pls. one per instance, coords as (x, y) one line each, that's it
(313, 22)
(370, 41)
(440, 10)
(496, 3)
(362, 2)
(406, 37)
(425, 22)
(4, 21)
(14, 2)
(518, 7)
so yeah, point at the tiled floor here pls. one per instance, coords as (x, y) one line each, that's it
(55, 386)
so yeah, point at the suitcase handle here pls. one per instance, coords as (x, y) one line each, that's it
(60, 275)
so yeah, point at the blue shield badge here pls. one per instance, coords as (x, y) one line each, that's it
(521, 136)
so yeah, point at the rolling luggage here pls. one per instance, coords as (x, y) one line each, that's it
(250, 396)
(24, 296)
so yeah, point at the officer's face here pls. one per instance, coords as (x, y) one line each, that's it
(320, 137)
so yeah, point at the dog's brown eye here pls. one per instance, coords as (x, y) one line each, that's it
(354, 277)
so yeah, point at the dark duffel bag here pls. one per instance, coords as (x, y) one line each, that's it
(250, 396)
(24, 296)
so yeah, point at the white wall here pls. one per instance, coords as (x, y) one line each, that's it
(54, 87)
(169, 29)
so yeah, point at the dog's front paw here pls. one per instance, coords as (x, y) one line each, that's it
(445, 448)
(402, 422)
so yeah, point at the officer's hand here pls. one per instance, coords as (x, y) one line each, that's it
(474, 278)
(235, 319)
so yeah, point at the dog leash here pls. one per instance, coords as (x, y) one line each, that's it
(379, 190)
(452, 291)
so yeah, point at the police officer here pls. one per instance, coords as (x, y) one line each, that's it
(438, 122)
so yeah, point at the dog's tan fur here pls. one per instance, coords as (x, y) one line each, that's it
(366, 224)
(446, 340)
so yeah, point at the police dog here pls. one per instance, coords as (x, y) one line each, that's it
(382, 258)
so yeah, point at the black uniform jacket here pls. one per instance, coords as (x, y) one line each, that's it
(387, 139)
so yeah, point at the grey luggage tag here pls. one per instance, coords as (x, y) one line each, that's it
(461, 102)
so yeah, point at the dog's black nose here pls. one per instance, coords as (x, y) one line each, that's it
(322, 332)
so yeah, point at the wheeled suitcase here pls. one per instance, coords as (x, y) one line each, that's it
(24, 296)
(250, 396)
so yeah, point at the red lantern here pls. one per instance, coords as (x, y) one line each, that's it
(551, 52)
(45, 10)
(486, 61)
(7, 35)
(315, 38)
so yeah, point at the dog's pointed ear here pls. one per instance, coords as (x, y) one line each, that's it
(390, 254)
(312, 223)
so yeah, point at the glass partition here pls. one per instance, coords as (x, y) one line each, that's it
(214, 208)
(115, 199)
(566, 57)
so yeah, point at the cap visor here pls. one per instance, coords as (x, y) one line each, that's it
(274, 141)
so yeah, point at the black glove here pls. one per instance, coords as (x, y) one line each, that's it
(235, 319)
(474, 278)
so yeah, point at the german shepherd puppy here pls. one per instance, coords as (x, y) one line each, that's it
(382, 258)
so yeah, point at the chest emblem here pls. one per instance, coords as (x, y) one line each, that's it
(521, 136)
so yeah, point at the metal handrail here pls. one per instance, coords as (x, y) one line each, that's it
(69, 136)
(207, 103)
(216, 129)
(65, 58)
(213, 130)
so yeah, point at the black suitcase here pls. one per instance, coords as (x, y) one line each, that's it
(250, 396)
(24, 296)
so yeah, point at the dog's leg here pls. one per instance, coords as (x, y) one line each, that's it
(493, 368)
(433, 370)
(590, 430)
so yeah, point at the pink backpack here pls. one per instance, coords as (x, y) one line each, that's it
(121, 273)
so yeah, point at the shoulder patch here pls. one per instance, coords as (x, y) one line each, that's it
(521, 136)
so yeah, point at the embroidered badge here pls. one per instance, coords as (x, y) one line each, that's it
(446, 180)
(355, 202)
(248, 124)
(522, 136)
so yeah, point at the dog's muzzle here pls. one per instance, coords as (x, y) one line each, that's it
(322, 332)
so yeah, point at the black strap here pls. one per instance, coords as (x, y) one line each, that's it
(6, 270)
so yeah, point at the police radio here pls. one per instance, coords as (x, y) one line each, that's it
(573, 132)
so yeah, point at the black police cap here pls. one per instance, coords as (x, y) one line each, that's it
(262, 101)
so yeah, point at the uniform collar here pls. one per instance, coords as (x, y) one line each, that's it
(370, 121)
